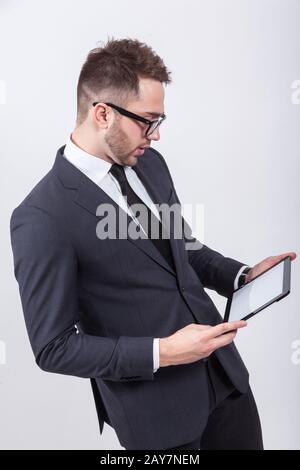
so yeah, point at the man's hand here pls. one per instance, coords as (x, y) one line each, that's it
(266, 264)
(195, 342)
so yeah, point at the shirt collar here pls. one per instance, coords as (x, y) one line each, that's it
(93, 167)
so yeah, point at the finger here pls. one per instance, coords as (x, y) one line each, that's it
(228, 332)
(223, 340)
(225, 328)
(203, 327)
(291, 254)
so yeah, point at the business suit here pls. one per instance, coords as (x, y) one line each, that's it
(120, 294)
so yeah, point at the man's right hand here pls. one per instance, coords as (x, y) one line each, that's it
(195, 342)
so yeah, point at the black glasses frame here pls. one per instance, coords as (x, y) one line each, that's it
(131, 115)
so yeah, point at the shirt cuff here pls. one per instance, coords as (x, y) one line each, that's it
(155, 354)
(236, 281)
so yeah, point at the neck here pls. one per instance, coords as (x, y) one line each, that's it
(84, 138)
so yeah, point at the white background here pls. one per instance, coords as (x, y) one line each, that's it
(231, 141)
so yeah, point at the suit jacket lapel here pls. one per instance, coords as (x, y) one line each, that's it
(158, 197)
(89, 196)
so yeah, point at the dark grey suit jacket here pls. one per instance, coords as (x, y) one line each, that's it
(121, 293)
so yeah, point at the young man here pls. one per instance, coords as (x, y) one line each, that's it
(131, 313)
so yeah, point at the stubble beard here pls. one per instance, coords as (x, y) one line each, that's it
(118, 143)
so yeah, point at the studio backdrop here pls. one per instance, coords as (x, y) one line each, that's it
(231, 141)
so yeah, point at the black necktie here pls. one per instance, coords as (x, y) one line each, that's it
(162, 244)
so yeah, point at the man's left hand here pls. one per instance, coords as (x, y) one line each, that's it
(267, 263)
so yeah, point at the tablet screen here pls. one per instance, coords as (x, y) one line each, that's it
(265, 289)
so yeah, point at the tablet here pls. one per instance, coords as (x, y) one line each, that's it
(270, 286)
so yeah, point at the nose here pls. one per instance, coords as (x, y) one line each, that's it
(155, 135)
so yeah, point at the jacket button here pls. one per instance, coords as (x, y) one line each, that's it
(182, 289)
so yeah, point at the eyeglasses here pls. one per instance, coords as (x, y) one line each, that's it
(152, 125)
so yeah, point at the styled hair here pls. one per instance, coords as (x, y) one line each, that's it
(112, 73)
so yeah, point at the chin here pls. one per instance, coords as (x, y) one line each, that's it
(132, 161)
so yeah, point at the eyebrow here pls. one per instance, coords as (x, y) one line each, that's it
(153, 114)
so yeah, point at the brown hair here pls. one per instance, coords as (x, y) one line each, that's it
(112, 72)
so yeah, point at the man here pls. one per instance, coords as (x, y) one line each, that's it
(131, 313)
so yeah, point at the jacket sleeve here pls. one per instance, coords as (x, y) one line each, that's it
(214, 270)
(46, 270)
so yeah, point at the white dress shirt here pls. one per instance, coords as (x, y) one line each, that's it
(97, 170)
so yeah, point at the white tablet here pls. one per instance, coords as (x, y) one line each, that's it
(270, 286)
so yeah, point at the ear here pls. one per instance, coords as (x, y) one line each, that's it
(102, 115)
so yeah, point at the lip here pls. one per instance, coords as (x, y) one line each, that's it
(141, 150)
